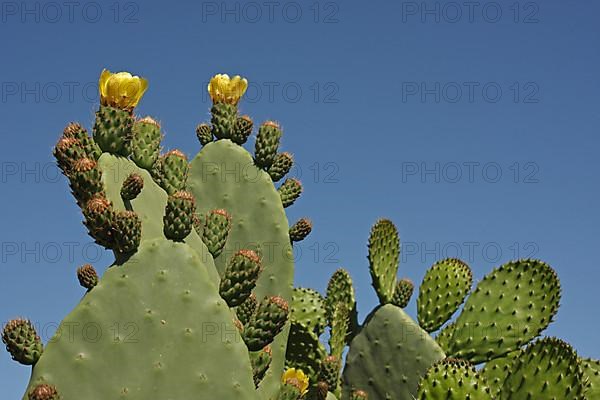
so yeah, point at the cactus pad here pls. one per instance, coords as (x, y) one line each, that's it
(389, 356)
(308, 308)
(384, 255)
(508, 308)
(453, 379)
(444, 288)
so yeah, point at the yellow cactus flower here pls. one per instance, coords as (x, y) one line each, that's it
(296, 377)
(121, 89)
(223, 89)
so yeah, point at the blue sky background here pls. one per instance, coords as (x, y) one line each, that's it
(375, 103)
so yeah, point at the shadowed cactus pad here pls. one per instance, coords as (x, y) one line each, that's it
(403, 292)
(266, 323)
(300, 230)
(132, 187)
(445, 287)
(240, 277)
(508, 308)
(591, 371)
(179, 216)
(453, 379)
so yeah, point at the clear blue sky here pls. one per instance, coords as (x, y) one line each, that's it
(474, 128)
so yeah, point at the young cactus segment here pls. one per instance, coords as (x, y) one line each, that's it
(591, 371)
(113, 130)
(242, 129)
(67, 152)
(260, 360)
(300, 230)
(87, 276)
(444, 288)
(266, 323)
(132, 187)
(44, 392)
(308, 308)
(145, 144)
(395, 350)
(282, 164)
(341, 290)
(384, 255)
(204, 134)
(22, 341)
(127, 230)
(85, 180)
(511, 305)
(267, 144)
(240, 277)
(289, 191)
(339, 330)
(179, 215)
(330, 373)
(245, 310)
(444, 337)
(546, 369)
(173, 171)
(216, 229)
(403, 292)
(453, 379)
(305, 351)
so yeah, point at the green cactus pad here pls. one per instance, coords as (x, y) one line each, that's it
(150, 203)
(159, 325)
(338, 330)
(444, 337)
(145, 144)
(452, 379)
(591, 371)
(384, 255)
(308, 308)
(547, 369)
(267, 144)
(242, 129)
(240, 277)
(113, 130)
(204, 134)
(340, 290)
(509, 307)
(496, 370)
(389, 356)
(444, 288)
(305, 351)
(22, 341)
(403, 292)
(223, 176)
(282, 164)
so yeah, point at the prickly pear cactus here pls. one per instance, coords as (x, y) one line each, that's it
(195, 255)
